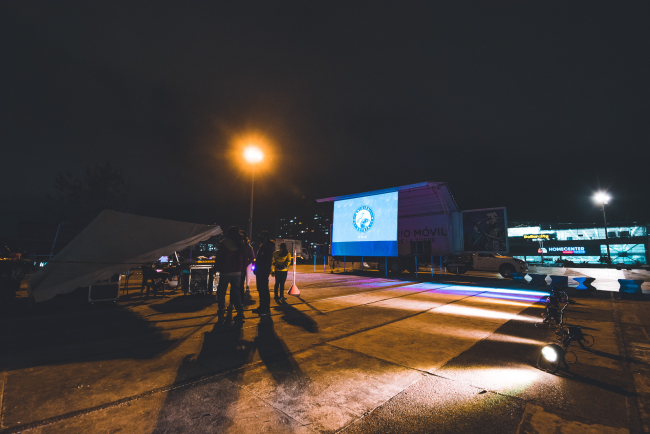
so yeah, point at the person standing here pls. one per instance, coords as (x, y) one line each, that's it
(263, 265)
(229, 262)
(280, 269)
(248, 262)
(148, 276)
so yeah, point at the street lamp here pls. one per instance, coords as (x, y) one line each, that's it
(252, 155)
(602, 198)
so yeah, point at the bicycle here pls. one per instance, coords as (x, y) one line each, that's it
(572, 334)
(566, 335)
(553, 313)
(561, 295)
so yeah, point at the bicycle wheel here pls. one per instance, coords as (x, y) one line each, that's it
(587, 340)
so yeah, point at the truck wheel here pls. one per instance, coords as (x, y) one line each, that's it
(506, 270)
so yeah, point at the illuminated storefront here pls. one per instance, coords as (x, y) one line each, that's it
(568, 244)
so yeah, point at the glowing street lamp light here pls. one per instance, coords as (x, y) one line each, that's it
(602, 198)
(253, 155)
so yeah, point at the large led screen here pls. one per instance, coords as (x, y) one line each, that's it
(365, 226)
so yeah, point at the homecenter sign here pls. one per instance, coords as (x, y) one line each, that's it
(555, 248)
(564, 250)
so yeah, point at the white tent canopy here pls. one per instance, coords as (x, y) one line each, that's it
(113, 243)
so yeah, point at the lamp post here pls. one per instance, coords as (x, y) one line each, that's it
(602, 198)
(252, 155)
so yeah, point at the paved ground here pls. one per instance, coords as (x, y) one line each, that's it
(353, 354)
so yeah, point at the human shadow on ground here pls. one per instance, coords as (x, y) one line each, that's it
(208, 402)
(211, 401)
(290, 382)
(296, 317)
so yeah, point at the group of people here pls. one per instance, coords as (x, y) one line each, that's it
(234, 257)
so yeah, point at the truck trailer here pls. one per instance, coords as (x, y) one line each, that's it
(428, 228)
(301, 252)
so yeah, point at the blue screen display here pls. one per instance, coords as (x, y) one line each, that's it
(365, 226)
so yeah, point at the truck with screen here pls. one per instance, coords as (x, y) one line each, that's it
(392, 227)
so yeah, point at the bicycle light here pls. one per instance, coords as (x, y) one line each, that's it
(550, 358)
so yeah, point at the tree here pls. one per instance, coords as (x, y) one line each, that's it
(81, 199)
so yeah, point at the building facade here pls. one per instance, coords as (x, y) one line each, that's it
(209, 247)
(312, 229)
(576, 243)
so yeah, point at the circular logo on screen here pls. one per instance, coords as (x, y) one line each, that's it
(363, 218)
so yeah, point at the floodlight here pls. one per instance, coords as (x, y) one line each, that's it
(601, 197)
(549, 354)
(550, 358)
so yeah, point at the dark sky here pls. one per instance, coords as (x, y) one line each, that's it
(527, 104)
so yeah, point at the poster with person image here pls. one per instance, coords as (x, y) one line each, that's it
(485, 230)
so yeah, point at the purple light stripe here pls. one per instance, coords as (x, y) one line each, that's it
(379, 284)
(510, 297)
(500, 290)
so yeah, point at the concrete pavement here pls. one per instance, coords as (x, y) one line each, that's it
(353, 354)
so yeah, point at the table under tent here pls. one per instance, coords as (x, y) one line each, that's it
(110, 245)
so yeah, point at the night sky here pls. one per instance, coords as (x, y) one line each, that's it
(530, 105)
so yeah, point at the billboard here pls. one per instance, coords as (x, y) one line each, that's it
(365, 226)
(485, 230)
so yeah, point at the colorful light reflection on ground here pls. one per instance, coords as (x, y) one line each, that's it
(525, 292)
(511, 297)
